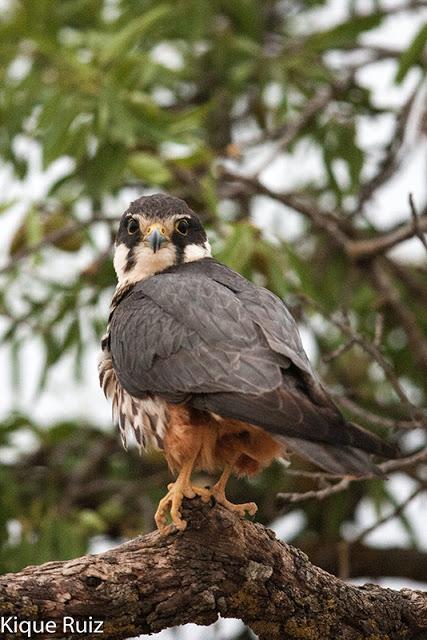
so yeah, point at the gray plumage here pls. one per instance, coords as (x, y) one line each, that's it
(200, 333)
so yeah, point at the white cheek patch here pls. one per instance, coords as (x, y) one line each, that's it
(193, 252)
(121, 254)
(146, 263)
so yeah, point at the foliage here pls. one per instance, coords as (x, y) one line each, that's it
(184, 96)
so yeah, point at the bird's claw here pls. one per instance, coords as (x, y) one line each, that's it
(217, 495)
(171, 504)
(241, 509)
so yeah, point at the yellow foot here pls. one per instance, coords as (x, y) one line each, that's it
(241, 509)
(171, 504)
(219, 495)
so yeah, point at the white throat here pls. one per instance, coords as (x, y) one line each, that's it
(146, 263)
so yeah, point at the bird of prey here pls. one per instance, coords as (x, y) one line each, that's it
(208, 367)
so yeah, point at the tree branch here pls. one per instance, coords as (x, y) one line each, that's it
(315, 105)
(381, 243)
(337, 229)
(284, 499)
(221, 565)
(391, 296)
(55, 236)
(367, 561)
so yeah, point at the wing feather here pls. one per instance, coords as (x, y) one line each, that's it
(202, 333)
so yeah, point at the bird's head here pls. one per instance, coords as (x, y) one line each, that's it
(157, 232)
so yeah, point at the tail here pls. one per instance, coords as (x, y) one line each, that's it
(354, 459)
(340, 460)
(362, 439)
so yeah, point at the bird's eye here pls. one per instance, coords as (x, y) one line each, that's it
(132, 225)
(182, 226)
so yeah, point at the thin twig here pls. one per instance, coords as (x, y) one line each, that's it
(54, 237)
(402, 463)
(391, 296)
(394, 513)
(391, 465)
(358, 249)
(335, 227)
(408, 275)
(416, 221)
(376, 355)
(343, 549)
(373, 418)
(342, 348)
(379, 330)
(327, 222)
(312, 108)
(320, 494)
(392, 158)
(315, 475)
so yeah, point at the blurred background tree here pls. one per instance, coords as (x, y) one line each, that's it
(298, 137)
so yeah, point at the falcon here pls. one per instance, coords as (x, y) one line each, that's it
(208, 367)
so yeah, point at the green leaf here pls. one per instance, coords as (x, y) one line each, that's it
(271, 262)
(149, 168)
(135, 29)
(60, 114)
(239, 248)
(91, 521)
(207, 186)
(104, 171)
(343, 35)
(33, 228)
(5, 206)
(412, 55)
(72, 335)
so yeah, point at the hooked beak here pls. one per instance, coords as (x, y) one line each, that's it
(155, 236)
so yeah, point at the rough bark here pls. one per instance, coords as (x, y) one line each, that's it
(220, 565)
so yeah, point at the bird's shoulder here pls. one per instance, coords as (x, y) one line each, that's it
(212, 293)
(203, 287)
(206, 271)
(192, 297)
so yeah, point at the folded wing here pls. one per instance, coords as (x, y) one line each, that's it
(201, 333)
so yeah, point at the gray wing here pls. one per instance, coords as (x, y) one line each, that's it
(178, 336)
(227, 347)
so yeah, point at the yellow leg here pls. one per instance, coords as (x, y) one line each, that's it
(218, 492)
(182, 487)
(171, 503)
